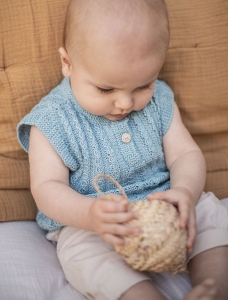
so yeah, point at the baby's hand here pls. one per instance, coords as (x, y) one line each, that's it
(108, 218)
(181, 198)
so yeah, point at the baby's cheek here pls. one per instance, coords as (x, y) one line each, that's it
(95, 107)
(142, 101)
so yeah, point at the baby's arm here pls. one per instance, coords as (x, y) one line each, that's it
(50, 188)
(187, 168)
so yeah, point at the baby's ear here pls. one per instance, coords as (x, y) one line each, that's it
(66, 64)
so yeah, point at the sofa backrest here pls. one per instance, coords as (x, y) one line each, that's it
(30, 33)
(196, 68)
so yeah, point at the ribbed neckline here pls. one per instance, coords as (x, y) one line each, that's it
(91, 117)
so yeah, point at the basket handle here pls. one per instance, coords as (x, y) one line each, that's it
(97, 188)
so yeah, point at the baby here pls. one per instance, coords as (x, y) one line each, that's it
(111, 115)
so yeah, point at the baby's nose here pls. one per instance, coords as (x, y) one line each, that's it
(125, 102)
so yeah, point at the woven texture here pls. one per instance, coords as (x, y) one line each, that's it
(161, 245)
(196, 68)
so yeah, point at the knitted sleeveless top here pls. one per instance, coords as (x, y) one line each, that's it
(129, 150)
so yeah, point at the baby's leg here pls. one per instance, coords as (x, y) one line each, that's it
(212, 263)
(145, 290)
(95, 269)
(209, 258)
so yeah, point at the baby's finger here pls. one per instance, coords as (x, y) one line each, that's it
(191, 232)
(163, 196)
(118, 198)
(121, 230)
(183, 209)
(114, 240)
(111, 206)
(156, 196)
(121, 217)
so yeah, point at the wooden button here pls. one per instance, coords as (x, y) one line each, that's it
(126, 137)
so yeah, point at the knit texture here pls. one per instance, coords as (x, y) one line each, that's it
(90, 145)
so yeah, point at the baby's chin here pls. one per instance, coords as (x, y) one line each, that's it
(116, 117)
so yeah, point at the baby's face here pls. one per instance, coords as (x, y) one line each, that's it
(123, 46)
(112, 85)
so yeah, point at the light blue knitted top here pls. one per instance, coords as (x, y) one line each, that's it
(90, 145)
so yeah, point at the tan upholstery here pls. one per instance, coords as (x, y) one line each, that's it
(196, 68)
(31, 33)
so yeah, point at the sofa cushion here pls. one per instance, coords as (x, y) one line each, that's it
(196, 68)
(197, 64)
(16, 204)
(29, 266)
(30, 34)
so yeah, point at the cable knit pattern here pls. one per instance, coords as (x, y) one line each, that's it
(89, 144)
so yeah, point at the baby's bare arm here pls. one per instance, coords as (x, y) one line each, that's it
(184, 158)
(50, 184)
(187, 174)
(50, 188)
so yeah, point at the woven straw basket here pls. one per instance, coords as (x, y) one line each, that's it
(161, 244)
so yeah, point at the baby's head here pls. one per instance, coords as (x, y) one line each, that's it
(113, 52)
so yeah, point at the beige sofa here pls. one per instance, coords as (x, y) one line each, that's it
(196, 68)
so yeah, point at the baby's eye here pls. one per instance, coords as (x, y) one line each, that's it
(105, 91)
(146, 87)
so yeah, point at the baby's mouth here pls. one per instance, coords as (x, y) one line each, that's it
(119, 116)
